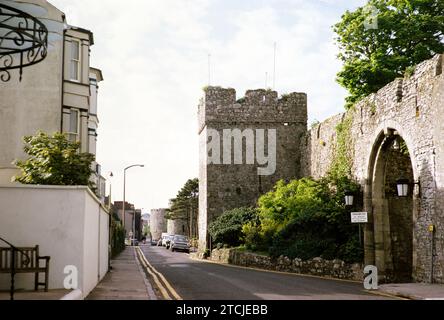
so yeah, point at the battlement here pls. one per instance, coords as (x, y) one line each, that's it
(408, 94)
(220, 105)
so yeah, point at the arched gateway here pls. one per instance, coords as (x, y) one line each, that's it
(389, 237)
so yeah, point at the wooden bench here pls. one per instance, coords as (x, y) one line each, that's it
(25, 260)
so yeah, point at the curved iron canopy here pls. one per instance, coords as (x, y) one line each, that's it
(23, 41)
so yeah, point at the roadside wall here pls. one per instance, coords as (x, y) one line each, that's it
(68, 223)
(317, 266)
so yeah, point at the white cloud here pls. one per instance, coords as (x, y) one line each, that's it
(154, 58)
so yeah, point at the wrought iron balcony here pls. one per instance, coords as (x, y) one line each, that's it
(23, 41)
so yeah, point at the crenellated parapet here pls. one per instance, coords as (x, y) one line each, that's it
(410, 94)
(220, 105)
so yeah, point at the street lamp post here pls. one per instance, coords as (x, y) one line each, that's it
(110, 199)
(110, 219)
(124, 189)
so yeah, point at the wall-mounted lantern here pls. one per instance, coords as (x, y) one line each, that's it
(402, 185)
(349, 198)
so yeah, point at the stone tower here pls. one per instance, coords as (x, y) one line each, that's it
(158, 223)
(246, 146)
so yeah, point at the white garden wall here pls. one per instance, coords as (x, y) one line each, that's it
(68, 223)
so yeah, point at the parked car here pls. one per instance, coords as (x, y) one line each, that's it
(160, 242)
(180, 243)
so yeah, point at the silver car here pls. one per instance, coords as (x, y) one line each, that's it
(180, 243)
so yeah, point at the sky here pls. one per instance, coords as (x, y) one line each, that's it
(154, 58)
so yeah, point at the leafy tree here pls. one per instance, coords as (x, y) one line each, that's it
(54, 160)
(408, 32)
(146, 230)
(227, 229)
(185, 205)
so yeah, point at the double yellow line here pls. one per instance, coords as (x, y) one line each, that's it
(164, 286)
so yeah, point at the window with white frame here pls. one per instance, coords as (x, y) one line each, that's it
(74, 126)
(75, 60)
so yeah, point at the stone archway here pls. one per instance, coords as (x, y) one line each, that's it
(390, 236)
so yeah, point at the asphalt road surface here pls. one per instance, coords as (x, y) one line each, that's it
(197, 280)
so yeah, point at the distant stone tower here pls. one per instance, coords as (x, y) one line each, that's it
(234, 174)
(158, 223)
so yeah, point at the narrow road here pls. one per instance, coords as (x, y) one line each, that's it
(197, 280)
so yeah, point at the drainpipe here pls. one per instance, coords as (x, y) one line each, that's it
(432, 227)
(63, 75)
(110, 219)
(98, 257)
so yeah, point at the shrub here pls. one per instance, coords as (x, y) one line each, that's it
(351, 251)
(117, 238)
(54, 160)
(305, 219)
(253, 237)
(227, 229)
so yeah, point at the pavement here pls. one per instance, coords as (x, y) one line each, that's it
(36, 296)
(414, 291)
(201, 280)
(126, 280)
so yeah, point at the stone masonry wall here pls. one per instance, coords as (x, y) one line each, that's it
(224, 187)
(177, 227)
(317, 266)
(414, 108)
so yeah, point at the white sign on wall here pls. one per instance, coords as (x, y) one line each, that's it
(359, 217)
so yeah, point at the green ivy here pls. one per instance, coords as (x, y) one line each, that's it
(342, 162)
(373, 108)
(403, 149)
(410, 71)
